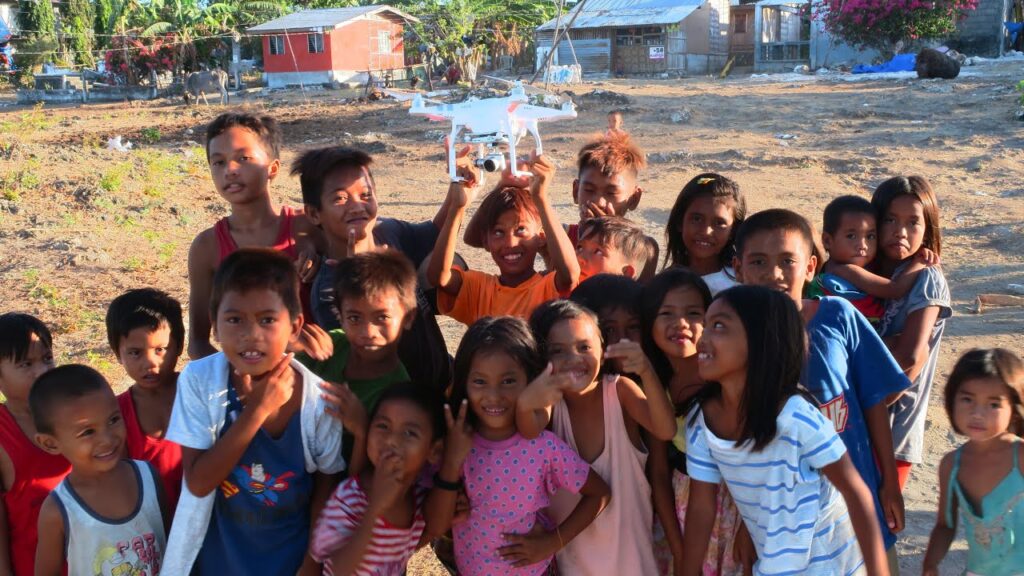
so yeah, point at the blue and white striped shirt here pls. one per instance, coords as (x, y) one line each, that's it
(798, 521)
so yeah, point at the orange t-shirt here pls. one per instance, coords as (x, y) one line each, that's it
(482, 295)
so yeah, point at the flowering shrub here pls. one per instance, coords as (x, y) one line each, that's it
(131, 59)
(882, 23)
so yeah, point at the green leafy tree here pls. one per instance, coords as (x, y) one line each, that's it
(102, 20)
(36, 18)
(78, 32)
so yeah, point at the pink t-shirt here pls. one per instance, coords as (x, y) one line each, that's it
(390, 547)
(508, 484)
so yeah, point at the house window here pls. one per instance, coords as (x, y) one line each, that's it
(276, 45)
(315, 42)
(740, 24)
(384, 42)
(639, 36)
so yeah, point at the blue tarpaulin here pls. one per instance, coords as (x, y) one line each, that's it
(5, 33)
(899, 63)
(1014, 28)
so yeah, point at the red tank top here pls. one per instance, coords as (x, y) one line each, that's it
(283, 243)
(163, 454)
(35, 474)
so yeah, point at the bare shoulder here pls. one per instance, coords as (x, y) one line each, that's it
(627, 388)
(204, 243)
(946, 466)
(50, 514)
(6, 470)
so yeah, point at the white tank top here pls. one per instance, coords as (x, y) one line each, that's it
(130, 546)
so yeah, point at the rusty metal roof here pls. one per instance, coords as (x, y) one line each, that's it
(328, 19)
(617, 13)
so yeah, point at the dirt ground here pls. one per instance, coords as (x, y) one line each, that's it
(79, 224)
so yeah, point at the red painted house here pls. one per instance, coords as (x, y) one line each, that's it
(332, 45)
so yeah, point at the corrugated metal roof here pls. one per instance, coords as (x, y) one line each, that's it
(326, 18)
(614, 13)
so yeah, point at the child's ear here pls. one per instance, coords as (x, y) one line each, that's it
(634, 200)
(575, 190)
(436, 452)
(826, 241)
(48, 442)
(812, 267)
(409, 319)
(297, 323)
(273, 168)
(628, 271)
(313, 213)
(737, 268)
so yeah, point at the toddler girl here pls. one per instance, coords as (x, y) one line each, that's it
(781, 459)
(601, 417)
(702, 226)
(984, 402)
(508, 478)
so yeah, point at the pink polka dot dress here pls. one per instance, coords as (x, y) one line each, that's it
(509, 483)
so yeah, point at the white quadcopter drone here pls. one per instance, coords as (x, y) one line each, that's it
(491, 123)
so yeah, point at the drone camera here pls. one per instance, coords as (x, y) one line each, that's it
(492, 162)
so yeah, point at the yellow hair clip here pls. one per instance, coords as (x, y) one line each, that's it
(705, 180)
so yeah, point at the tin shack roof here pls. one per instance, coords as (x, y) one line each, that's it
(618, 13)
(328, 19)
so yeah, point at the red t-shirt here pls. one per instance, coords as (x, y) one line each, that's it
(36, 473)
(163, 454)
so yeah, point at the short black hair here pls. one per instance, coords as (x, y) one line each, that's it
(256, 269)
(16, 330)
(370, 273)
(313, 167)
(772, 220)
(605, 292)
(506, 334)
(264, 127)
(841, 206)
(59, 386)
(423, 397)
(552, 312)
(650, 302)
(496, 203)
(624, 235)
(144, 308)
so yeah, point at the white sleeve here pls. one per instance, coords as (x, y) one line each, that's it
(190, 424)
(700, 464)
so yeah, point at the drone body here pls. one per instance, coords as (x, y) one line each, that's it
(491, 123)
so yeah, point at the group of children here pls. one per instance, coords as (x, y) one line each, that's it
(748, 407)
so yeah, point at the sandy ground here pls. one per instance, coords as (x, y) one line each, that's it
(79, 224)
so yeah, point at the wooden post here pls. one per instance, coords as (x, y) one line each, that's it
(558, 38)
(85, 88)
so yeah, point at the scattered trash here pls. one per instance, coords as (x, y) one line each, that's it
(802, 69)
(115, 144)
(782, 136)
(1016, 288)
(682, 116)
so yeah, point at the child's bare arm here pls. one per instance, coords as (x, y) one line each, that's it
(50, 549)
(843, 475)
(880, 432)
(700, 519)
(525, 549)
(535, 403)
(439, 270)
(323, 487)
(910, 347)
(650, 407)
(561, 252)
(388, 487)
(201, 264)
(204, 470)
(439, 509)
(943, 533)
(659, 474)
(879, 286)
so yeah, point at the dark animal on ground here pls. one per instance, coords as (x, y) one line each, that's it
(934, 64)
(206, 82)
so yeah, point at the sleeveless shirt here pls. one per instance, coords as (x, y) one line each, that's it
(98, 545)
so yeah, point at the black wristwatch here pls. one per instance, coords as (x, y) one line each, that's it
(445, 485)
